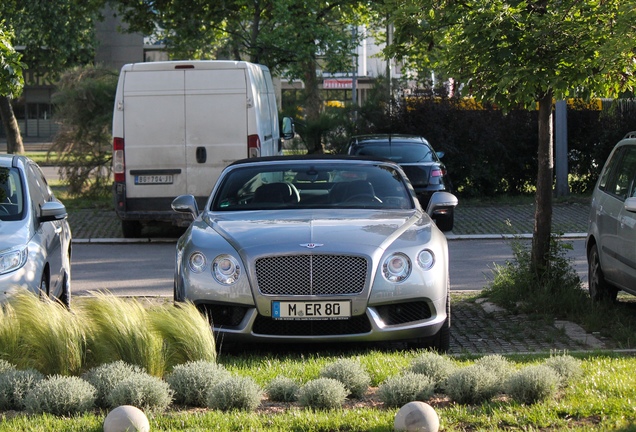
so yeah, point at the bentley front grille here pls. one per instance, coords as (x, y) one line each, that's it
(297, 275)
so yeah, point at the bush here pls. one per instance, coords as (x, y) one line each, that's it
(533, 384)
(192, 381)
(322, 393)
(240, 393)
(5, 366)
(14, 386)
(60, 395)
(144, 391)
(567, 367)
(497, 365)
(282, 389)
(433, 365)
(349, 372)
(408, 387)
(106, 377)
(472, 384)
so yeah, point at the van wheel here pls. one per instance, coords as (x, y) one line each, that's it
(131, 229)
(600, 289)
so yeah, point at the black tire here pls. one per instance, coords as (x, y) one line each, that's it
(44, 284)
(65, 297)
(599, 288)
(131, 229)
(440, 341)
(445, 223)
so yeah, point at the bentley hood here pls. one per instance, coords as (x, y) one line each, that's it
(286, 230)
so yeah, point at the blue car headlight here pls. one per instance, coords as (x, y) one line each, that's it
(13, 259)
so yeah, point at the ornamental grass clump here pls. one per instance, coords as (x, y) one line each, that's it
(282, 389)
(433, 365)
(52, 339)
(408, 387)
(9, 335)
(322, 393)
(141, 390)
(533, 384)
(192, 381)
(60, 395)
(567, 367)
(235, 393)
(472, 384)
(349, 372)
(186, 333)
(106, 377)
(120, 329)
(14, 386)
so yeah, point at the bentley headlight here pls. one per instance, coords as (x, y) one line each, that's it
(226, 269)
(197, 262)
(13, 259)
(426, 259)
(396, 268)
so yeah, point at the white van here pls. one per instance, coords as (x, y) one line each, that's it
(177, 124)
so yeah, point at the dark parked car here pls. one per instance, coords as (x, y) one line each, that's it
(418, 160)
(35, 238)
(316, 249)
(611, 239)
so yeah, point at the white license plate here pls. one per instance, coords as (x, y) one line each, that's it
(154, 179)
(315, 310)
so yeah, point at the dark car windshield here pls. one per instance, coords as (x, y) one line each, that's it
(397, 151)
(297, 185)
(11, 198)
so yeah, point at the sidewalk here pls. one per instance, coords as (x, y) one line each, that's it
(470, 222)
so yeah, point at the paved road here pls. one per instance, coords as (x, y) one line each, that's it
(147, 269)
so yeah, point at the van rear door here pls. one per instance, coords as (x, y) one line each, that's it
(154, 130)
(216, 119)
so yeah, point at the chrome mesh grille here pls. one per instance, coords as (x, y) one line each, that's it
(311, 274)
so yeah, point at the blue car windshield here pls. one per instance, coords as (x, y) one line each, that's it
(312, 185)
(11, 196)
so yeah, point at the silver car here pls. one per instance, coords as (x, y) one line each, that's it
(316, 249)
(35, 238)
(611, 239)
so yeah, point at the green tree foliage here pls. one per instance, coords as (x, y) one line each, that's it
(84, 105)
(520, 53)
(54, 35)
(297, 39)
(11, 83)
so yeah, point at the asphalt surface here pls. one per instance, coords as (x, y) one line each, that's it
(478, 327)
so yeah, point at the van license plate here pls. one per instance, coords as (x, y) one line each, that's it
(154, 179)
(317, 310)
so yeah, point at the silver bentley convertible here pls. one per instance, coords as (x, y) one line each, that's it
(316, 249)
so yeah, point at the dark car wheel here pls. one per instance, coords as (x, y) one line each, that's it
(131, 229)
(44, 285)
(65, 297)
(600, 289)
(445, 223)
(440, 341)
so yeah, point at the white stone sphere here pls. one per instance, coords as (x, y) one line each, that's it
(126, 418)
(416, 416)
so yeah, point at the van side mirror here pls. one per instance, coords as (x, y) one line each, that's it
(288, 131)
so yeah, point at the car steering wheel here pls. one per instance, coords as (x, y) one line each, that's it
(361, 198)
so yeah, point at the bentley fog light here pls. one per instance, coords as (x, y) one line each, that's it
(197, 262)
(396, 268)
(226, 269)
(426, 259)
(13, 260)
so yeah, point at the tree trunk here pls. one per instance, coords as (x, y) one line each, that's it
(10, 124)
(313, 103)
(543, 199)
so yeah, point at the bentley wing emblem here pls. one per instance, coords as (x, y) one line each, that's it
(311, 245)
